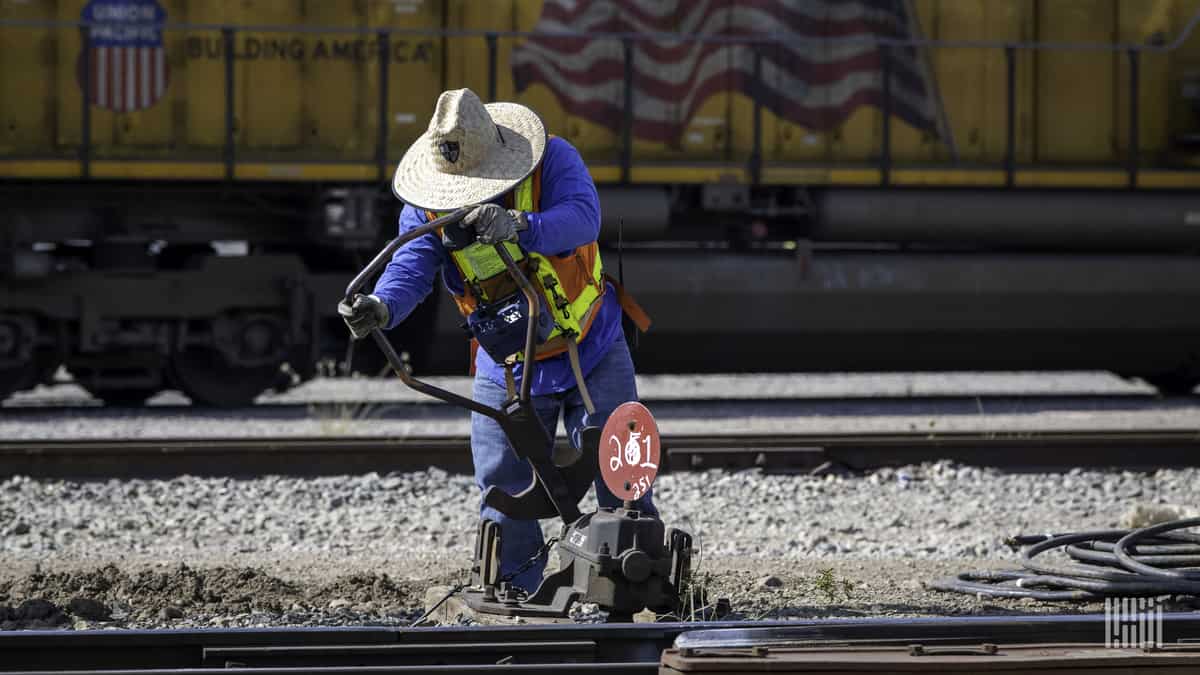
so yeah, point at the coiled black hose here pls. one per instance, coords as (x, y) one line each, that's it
(1149, 561)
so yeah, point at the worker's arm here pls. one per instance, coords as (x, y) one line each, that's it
(409, 277)
(570, 208)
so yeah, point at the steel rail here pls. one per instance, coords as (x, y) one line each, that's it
(1017, 450)
(582, 648)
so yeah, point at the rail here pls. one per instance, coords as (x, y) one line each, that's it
(885, 44)
(1029, 450)
(578, 648)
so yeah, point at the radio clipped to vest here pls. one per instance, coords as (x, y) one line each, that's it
(500, 313)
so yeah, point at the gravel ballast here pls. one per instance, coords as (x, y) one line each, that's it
(363, 549)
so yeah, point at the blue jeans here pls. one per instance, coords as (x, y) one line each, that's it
(610, 384)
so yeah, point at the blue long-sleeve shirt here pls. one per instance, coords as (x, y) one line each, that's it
(570, 217)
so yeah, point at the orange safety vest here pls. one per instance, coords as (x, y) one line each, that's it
(572, 284)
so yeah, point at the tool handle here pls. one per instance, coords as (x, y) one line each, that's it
(378, 262)
(535, 309)
(393, 358)
(401, 369)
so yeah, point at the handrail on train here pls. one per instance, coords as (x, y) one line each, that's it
(779, 36)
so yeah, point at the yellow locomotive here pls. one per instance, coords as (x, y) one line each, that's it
(798, 184)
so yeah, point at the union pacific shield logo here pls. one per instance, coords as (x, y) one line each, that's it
(127, 63)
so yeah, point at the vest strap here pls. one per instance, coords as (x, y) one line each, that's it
(632, 309)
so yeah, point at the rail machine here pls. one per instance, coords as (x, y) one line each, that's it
(619, 558)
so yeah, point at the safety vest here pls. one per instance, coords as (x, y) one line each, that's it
(573, 284)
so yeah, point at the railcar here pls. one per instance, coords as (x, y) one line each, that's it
(795, 185)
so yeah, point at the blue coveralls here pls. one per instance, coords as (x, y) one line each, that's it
(569, 218)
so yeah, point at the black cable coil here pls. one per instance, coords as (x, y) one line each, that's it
(1150, 561)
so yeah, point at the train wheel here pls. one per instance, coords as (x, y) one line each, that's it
(27, 375)
(18, 377)
(208, 379)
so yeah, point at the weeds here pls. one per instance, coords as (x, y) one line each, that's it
(832, 587)
(338, 419)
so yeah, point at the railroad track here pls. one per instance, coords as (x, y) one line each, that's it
(635, 649)
(1026, 450)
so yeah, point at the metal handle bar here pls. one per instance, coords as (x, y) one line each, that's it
(389, 352)
(388, 251)
(535, 309)
(393, 358)
(406, 377)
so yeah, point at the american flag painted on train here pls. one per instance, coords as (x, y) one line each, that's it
(827, 65)
(127, 62)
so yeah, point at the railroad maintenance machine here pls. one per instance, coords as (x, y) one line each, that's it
(622, 559)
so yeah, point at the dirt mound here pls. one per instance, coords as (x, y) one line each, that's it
(46, 599)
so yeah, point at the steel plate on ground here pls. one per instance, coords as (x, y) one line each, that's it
(942, 659)
(630, 451)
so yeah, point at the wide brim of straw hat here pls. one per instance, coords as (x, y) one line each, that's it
(419, 183)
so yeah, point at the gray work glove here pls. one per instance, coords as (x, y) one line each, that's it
(366, 314)
(493, 224)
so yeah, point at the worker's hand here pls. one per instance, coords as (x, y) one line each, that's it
(493, 224)
(367, 313)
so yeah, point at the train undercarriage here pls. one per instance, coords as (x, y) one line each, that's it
(224, 293)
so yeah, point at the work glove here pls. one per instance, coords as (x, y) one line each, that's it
(367, 313)
(493, 224)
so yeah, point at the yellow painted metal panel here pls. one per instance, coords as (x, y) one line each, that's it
(1067, 178)
(1184, 68)
(911, 144)
(604, 173)
(685, 173)
(1141, 23)
(1075, 111)
(157, 170)
(27, 80)
(854, 176)
(971, 83)
(1169, 179)
(197, 78)
(303, 172)
(67, 94)
(778, 175)
(793, 175)
(270, 100)
(859, 138)
(414, 70)
(56, 168)
(338, 82)
(947, 177)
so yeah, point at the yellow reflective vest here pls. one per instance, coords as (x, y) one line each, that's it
(573, 284)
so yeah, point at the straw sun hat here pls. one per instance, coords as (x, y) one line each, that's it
(471, 153)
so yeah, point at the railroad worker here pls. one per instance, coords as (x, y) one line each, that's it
(536, 192)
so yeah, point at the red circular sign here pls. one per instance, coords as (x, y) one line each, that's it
(630, 451)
